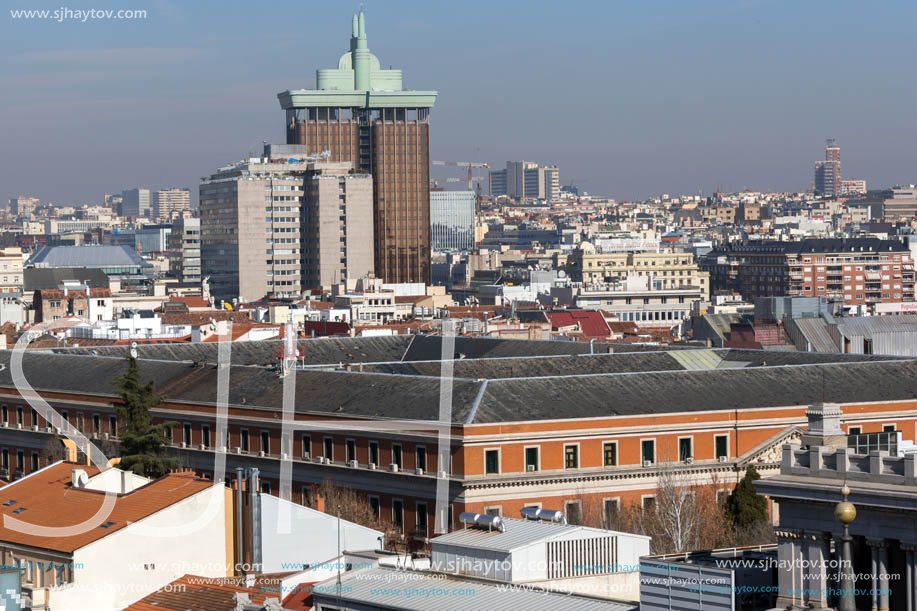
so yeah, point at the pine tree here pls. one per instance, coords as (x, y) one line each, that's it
(142, 442)
(748, 511)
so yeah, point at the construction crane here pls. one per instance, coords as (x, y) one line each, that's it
(463, 164)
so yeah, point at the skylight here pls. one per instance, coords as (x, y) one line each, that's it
(20, 510)
(107, 525)
(9, 502)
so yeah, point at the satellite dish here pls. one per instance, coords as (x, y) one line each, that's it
(133, 350)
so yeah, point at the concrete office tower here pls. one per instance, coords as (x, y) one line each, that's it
(23, 205)
(135, 203)
(282, 223)
(828, 172)
(185, 250)
(359, 113)
(452, 220)
(526, 180)
(170, 203)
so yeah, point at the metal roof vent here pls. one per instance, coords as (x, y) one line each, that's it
(79, 478)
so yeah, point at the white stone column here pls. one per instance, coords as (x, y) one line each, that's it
(909, 574)
(788, 574)
(874, 567)
(883, 576)
(816, 553)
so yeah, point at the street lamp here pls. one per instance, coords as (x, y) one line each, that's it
(845, 513)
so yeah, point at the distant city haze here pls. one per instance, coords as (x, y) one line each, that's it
(628, 99)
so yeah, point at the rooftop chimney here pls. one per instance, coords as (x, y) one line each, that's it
(824, 426)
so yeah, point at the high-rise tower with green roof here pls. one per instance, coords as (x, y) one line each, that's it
(360, 113)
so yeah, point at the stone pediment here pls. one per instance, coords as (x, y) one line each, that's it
(771, 451)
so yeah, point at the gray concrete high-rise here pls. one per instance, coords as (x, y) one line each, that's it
(526, 180)
(185, 250)
(828, 172)
(285, 222)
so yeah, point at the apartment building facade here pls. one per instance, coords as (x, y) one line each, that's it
(11, 270)
(666, 268)
(277, 225)
(168, 204)
(858, 271)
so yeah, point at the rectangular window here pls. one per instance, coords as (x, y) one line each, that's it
(96, 423)
(244, 440)
(265, 486)
(610, 453)
(374, 506)
(610, 512)
(306, 445)
(421, 519)
(266, 442)
(684, 449)
(19, 415)
(531, 459)
(573, 509)
(4, 413)
(20, 461)
(34, 461)
(855, 430)
(374, 452)
(186, 433)
(888, 428)
(648, 450)
(396, 454)
(649, 502)
(329, 448)
(722, 446)
(398, 514)
(113, 426)
(420, 457)
(571, 457)
(350, 449)
(205, 435)
(491, 461)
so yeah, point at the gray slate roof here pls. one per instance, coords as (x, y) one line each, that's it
(86, 256)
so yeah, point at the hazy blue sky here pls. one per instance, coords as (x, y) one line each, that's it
(630, 98)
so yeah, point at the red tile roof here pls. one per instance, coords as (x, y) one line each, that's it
(192, 593)
(51, 500)
(590, 322)
(190, 301)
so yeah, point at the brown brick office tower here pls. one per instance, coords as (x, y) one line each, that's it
(360, 113)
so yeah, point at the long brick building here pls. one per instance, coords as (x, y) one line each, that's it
(532, 423)
(858, 271)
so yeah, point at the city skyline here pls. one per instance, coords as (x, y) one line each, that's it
(734, 85)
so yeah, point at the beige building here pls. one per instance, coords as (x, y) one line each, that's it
(282, 223)
(170, 203)
(11, 270)
(666, 270)
(20, 206)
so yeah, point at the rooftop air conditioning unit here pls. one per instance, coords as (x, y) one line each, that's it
(371, 466)
(689, 460)
(18, 425)
(184, 444)
(262, 454)
(237, 450)
(222, 449)
(530, 468)
(418, 471)
(307, 455)
(393, 467)
(34, 427)
(5, 424)
(104, 435)
(283, 456)
(353, 463)
(202, 447)
(320, 459)
(647, 463)
(723, 459)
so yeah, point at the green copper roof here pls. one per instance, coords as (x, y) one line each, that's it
(358, 81)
